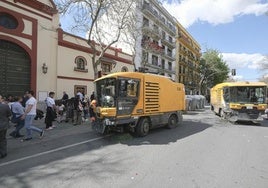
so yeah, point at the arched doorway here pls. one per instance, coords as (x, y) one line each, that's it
(15, 69)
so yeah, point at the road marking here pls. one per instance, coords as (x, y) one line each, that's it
(53, 150)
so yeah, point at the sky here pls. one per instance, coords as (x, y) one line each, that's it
(238, 29)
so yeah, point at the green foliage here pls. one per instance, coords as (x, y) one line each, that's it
(213, 69)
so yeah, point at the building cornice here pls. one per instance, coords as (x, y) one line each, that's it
(50, 10)
(74, 46)
(164, 11)
(48, 17)
(180, 27)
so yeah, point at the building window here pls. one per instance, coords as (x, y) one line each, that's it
(145, 22)
(124, 69)
(155, 28)
(81, 63)
(154, 60)
(163, 64)
(144, 56)
(163, 48)
(169, 52)
(163, 35)
(106, 67)
(169, 66)
(170, 39)
(7, 21)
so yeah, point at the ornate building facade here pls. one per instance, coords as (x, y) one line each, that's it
(35, 53)
(188, 60)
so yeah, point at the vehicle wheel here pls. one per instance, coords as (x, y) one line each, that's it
(143, 127)
(172, 121)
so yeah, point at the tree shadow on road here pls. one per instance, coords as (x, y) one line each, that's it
(50, 164)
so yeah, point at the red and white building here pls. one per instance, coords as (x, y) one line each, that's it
(35, 53)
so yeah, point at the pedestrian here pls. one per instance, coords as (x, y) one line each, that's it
(77, 111)
(29, 115)
(65, 96)
(60, 109)
(69, 106)
(92, 96)
(25, 98)
(5, 113)
(51, 111)
(10, 100)
(81, 96)
(92, 114)
(17, 111)
(85, 105)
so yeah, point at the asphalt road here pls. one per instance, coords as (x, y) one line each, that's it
(205, 152)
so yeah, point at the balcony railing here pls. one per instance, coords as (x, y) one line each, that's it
(170, 56)
(152, 32)
(152, 13)
(152, 46)
(160, 69)
(168, 43)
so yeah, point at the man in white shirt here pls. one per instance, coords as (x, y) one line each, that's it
(51, 111)
(29, 115)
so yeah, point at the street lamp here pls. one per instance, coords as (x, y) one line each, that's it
(44, 68)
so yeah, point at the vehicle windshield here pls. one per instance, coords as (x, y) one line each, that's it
(105, 90)
(247, 94)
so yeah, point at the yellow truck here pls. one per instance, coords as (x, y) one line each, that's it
(239, 101)
(137, 102)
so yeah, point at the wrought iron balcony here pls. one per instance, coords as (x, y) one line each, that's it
(169, 56)
(152, 32)
(150, 12)
(168, 43)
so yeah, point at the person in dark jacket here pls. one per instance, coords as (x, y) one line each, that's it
(5, 113)
(77, 111)
(65, 96)
(24, 98)
(92, 96)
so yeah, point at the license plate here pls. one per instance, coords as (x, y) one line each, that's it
(249, 107)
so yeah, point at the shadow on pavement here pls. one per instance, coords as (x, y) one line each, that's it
(64, 163)
(162, 135)
(263, 123)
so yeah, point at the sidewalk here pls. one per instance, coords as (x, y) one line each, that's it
(62, 129)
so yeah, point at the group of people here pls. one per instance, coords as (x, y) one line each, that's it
(21, 116)
(22, 110)
(78, 108)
